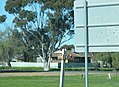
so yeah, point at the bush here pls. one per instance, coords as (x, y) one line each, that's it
(4, 67)
(21, 68)
(106, 69)
(83, 69)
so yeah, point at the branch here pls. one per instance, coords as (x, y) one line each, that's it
(36, 10)
(67, 40)
(35, 37)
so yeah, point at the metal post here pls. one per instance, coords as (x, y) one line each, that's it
(62, 69)
(86, 41)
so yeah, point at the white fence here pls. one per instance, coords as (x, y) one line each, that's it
(31, 64)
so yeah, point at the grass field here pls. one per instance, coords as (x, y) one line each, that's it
(53, 81)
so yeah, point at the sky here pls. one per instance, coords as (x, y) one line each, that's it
(10, 17)
(3, 12)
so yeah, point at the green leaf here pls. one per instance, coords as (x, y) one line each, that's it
(3, 18)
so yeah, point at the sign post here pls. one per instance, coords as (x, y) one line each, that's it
(86, 41)
(62, 69)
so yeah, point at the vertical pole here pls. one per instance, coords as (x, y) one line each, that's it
(86, 41)
(62, 70)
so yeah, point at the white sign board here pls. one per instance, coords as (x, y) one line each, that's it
(103, 25)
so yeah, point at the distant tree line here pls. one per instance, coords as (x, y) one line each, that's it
(109, 59)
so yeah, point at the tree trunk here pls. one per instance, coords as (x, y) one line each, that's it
(47, 63)
(116, 72)
(9, 64)
(46, 67)
(9, 60)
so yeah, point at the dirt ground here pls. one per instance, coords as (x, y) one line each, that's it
(37, 74)
(55, 73)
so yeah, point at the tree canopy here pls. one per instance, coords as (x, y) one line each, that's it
(107, 58)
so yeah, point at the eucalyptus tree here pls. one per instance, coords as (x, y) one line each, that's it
(47, 21)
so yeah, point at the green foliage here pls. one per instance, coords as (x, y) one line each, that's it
(67, 47)
(21, 68)
(104, 57)
(10, 45)
(111, 58)
(31, 16)
(14, 6)
(54, 69)
(2, 18)
(22, 14)
(83, 69)
(115, 60)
